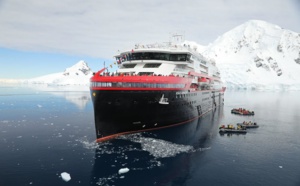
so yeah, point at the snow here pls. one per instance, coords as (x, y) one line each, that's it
(78, 74)
(252, 56)
(255, 55)
(65, 176)
(123, 170)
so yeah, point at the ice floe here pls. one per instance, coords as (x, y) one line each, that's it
(123, 170)
(65, 176)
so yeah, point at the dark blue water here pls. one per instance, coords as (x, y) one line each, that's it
(44, 132)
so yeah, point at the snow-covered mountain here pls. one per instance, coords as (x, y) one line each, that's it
(254, 55)
(78, 74)
(257, 55)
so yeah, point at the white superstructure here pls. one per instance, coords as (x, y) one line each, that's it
(168, 59)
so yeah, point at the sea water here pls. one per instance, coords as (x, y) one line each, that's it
(47, 138)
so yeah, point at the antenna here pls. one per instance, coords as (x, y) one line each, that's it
(104, 66)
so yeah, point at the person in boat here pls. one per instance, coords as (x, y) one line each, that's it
(222, 126)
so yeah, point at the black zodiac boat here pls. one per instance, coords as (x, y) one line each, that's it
(242, 111)
(249, 124)
(231, 129)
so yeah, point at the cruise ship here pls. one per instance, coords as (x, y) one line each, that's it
(155, 86)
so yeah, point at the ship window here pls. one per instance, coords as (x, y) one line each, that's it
(128, 65)
(137, 56)
(150, 56)
(203, 62)
(178, 57)
(154, 56)
(159, 56)
(152, 65)
(188, 57)
(145, 73)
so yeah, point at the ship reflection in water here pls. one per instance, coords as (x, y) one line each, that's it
(161, 157)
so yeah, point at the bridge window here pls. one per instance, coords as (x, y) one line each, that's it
(153, 56)
(178, 57)
(152, 65)
(128, 65)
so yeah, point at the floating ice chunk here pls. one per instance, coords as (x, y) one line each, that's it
(65, 176)
(87, 144)
(281, 167)
(40, 106)
(123, 170)
(159, 148)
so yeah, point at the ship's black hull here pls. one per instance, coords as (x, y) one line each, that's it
(121, 112)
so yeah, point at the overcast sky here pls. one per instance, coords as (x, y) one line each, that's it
(44, 36)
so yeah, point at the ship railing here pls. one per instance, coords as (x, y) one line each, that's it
(167, 45)
(118, 74)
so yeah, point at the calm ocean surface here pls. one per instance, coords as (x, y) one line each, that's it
(45, 132)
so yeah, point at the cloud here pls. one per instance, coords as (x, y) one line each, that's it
(99, 28)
